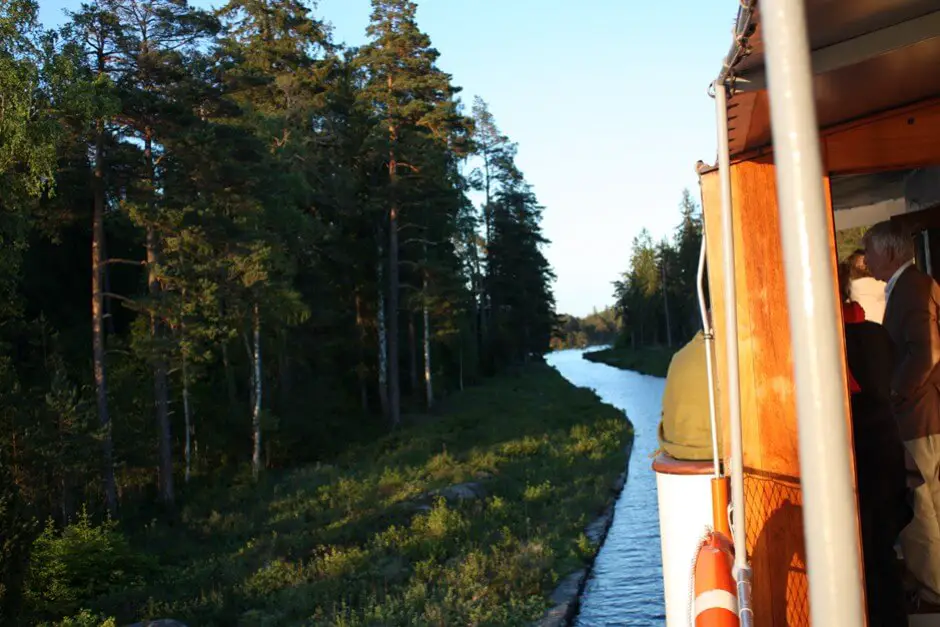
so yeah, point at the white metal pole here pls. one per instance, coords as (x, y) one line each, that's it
(739, 529)
(709, 340)
(829, 507)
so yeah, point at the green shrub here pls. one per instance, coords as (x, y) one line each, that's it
(85, 618)
(79, 563)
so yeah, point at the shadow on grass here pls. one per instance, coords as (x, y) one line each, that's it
(351, 544)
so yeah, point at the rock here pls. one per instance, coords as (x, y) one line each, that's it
(619, 483)
(567, 590)
(163, 622)
(462, 492)
(565, 598)
(556, 617)
(597, 530)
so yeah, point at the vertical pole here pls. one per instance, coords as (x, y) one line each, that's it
(742, 570)
(709, 333)
(830, 516)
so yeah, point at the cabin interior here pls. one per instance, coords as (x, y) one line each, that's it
(877, 91)
(907, 191)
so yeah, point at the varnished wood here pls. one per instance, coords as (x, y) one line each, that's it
(905, 139)
(775, 540)
(667, 465)
(908, 137)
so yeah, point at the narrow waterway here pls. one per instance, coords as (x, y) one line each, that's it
(626, 586)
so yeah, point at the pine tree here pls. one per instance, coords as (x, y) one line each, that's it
(415, 102)
(157, 36)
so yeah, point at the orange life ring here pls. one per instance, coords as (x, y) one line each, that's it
(716, 599)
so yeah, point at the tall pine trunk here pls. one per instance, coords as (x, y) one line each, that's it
(394, 382)
(187, 417)
(158, 336)
(97, 321)
(460, 358)
(413, 354)
(383, 338)
(361, 367)
(428, 386)
(256, 408)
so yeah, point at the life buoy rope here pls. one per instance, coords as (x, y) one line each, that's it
(713, 600)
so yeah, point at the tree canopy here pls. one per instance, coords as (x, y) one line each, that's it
(229, 242)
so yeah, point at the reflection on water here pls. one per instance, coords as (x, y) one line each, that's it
(626, 586)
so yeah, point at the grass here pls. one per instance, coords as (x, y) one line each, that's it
(364, 542)
(653, 360)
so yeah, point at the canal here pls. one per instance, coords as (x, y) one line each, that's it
(626, 585)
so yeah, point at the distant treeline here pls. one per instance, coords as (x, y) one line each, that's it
(599, 328)
(656, 298)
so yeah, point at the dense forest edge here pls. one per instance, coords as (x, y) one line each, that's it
(656, 309)
(234, 251)
(600, 328)
(651, 360)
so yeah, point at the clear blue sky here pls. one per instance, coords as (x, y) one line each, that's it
(606, 99)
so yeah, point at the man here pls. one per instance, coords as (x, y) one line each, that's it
(685, 430)
(865, 289)
(911, 318)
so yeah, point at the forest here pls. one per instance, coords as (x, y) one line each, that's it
(230, 245)
(656, 298)
(598, 328)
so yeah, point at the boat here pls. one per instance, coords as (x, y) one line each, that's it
(828, 118)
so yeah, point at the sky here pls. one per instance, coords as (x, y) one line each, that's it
(607, 100)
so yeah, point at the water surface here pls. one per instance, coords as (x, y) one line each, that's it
(626, 586)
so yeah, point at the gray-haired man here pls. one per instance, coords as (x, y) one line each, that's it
(912, 315)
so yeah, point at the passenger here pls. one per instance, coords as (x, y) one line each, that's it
(866, 290)
(911, 318)
(879, 459)
(685, 430)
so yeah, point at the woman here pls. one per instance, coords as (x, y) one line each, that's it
(865, 289)
(879, 459)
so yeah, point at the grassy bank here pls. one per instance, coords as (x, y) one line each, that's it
(651, 360)
(365, 541)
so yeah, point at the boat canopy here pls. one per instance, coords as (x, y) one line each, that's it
(867, 57)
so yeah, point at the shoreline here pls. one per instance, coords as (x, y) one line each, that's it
(568, 594)
(652, 361)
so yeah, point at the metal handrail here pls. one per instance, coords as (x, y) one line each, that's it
(742, 570)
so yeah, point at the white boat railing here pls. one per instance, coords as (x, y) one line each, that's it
(742, 570)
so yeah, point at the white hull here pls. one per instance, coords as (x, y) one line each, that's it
(685, 513)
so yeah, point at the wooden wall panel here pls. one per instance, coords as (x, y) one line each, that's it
(772, 491)
(906, 138)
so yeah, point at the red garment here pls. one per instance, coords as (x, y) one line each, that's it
(852, 313)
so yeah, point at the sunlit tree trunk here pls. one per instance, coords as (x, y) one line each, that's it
(428, 386)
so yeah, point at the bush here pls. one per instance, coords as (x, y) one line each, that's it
(17, 530)
(80, 563)
(85, 618)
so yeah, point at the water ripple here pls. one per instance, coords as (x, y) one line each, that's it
(626, 585)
